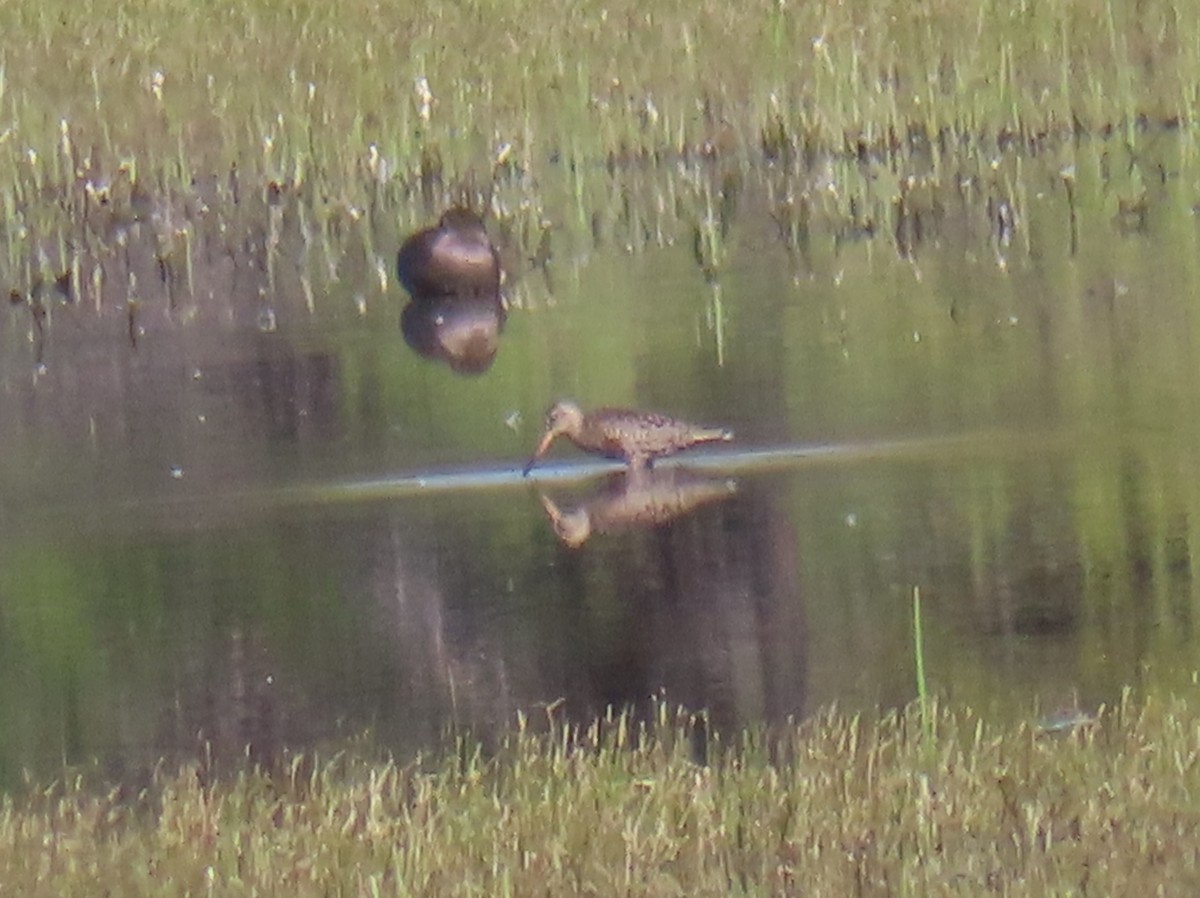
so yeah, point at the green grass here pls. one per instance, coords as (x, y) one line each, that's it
(837, 806)
(361, 120)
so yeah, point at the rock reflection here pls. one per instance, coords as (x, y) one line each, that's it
(452, 271)
(641, 498)
(462, 331)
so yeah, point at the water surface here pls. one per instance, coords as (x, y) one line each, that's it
(269, 524)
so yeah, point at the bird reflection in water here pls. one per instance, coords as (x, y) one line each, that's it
(452, 272)
(636, 499)
(462, 331)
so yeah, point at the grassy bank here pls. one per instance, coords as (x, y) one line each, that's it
(309, 136)
(308, 89)
(837, 806)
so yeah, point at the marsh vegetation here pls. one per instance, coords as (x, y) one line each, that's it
(927, 802)
(280, 149)
(954, 242)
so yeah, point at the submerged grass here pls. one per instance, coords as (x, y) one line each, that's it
(836, 806)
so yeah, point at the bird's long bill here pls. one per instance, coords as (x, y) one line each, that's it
(547, 439)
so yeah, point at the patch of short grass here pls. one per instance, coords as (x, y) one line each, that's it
(836, 806)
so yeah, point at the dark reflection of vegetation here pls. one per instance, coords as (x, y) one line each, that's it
(708, 608)
(636, 499)
(223, 649)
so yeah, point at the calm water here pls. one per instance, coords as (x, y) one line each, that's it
(260, 526)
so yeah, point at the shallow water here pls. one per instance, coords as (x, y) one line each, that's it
(278, 532)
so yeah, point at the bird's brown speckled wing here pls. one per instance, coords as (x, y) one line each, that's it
(610, 432)
(640, 436)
